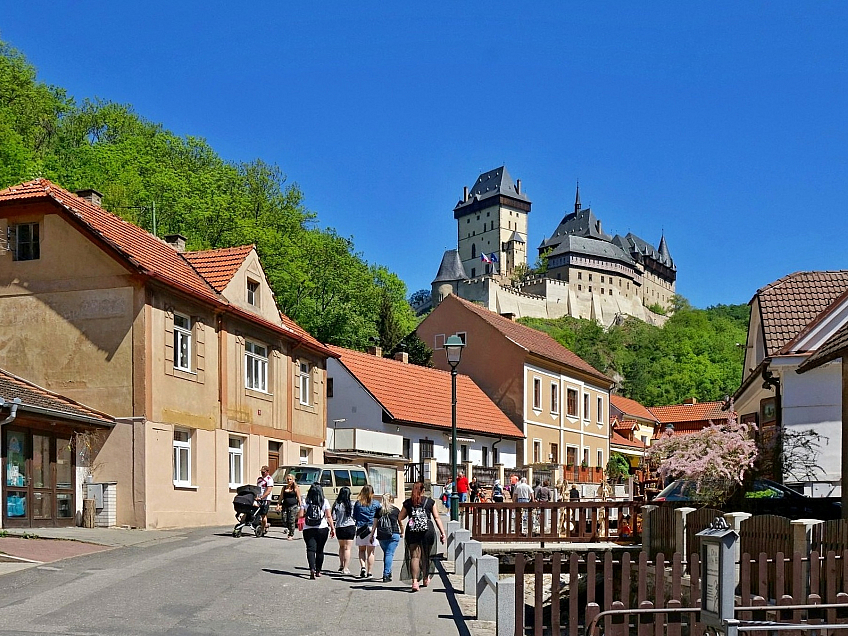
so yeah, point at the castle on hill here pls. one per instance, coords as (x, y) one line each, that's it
(589, 274)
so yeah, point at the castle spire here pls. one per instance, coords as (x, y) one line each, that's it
(577, 198)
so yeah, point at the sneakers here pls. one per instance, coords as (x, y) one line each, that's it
(369, 576)
(341, 569)
(362, 573)
(387, 578)
(346, 572)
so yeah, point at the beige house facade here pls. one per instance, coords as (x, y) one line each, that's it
(187, 350)
(557, 400)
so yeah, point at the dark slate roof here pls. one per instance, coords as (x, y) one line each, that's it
(665, 256)
(641, 249)
(516, 237)
(36, 399)
(591, 247)
(451, 268)
(493, 183)
(580, 223)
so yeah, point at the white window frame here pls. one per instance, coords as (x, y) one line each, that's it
(587, 453)
(182, 456)
(554, 398)
(576, 412)
(600, 409)
(601, 458)
(537, 445)
(537, 394)
(236, 457)
(182, 334)
(438, 341)
(304, 455)
(33, 244)
(305, 371)
(252, 293)
(586, 413)
(255, 366)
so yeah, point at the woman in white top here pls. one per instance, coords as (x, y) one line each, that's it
(318, 523)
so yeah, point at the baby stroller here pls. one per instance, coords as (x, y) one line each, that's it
(248, 513)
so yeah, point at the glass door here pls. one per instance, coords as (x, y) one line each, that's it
(15, 505)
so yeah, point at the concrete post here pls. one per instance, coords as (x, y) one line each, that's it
(646, 528)
(501, 473)
(471, 550)
(431, 470)
(506, 607)
(802, 538)
(450, 544)
(734, 520)
(487, 600)
(680, 531)
(460, 537)
(530, 476)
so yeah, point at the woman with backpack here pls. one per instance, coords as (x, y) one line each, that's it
(420, 537)
(363, 514)
(497, 492)
(317, 524)
(387, 530)
(345, 527)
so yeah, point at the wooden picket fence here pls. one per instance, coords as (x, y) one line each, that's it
(561, 594)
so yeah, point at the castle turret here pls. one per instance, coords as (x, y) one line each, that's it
(451, 273)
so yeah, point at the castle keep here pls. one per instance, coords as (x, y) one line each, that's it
(589, 274)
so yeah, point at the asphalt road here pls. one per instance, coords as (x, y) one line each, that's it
(204, 581)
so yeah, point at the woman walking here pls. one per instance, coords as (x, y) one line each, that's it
(318, 523)
(345, 527)
(363, 514)
(289, 504)
(387, 530)
(420, 537)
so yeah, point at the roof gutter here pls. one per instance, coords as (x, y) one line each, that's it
(13, 410)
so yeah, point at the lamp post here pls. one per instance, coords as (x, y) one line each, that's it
(453, 350)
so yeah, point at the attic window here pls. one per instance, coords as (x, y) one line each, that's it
(24, 241)
(253, 293)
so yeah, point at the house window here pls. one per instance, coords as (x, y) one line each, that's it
(463, 453)
(407, 448)
(586, 456)
(182, 458)
(23, 239)
(570, 455)
(462, 336)
(600, 458)
(255, 366)
(485, 456)
(585, 406)
(425, 448)
(600, 410)
(253, 293)
(304, 455)
(554, 397)
(537, 393)
(182, 342)
(236, 461)
(571, 397)
(537, 451)
(554, 458)
(494, 456)
(305, 383)
(438, 341)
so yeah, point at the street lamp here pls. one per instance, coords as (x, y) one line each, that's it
(453, 350)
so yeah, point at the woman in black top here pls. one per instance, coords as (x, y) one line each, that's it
(289, 503)
(420, 543)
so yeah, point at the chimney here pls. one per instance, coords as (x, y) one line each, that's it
(402, 356)
(465, 193)
(518, 187)
(690, 400)
(375, 351)
(177, 241)
(92, 196)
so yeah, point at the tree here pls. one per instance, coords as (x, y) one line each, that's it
(716, 458)
(419, 353)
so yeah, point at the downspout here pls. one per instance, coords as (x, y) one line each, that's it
(494, 451)
(13, 412)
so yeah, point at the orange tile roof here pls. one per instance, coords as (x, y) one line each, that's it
(631, 407)
(34, 398)
(694, 413)
(532, 340)
(218, 266)
(789, 304)
(618, 440)
(421, 395)
(145, 252)
(626, 425)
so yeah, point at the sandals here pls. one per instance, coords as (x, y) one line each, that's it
(425, 582)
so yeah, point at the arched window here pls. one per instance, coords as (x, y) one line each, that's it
(473, 251)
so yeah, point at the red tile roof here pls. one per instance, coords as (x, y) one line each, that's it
(792, 302)
(147, 253)
(218, 266)
(618, 440)
(626, 425)
(631, 407)
(35, 398)
(532, 340)
(688, 418)
(421, 395)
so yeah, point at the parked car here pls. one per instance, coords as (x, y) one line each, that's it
(759, 497)
(331, 477)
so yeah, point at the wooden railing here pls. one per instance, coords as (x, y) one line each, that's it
(554, 521)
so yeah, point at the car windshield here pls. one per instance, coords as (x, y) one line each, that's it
(680, 489)
(303, 475)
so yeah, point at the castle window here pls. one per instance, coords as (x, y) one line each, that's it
(473, 250)
(590, 288)
(487, 214)
(602, 279)
(590, 277)
(580, 288)
(579, 275)
(473, 272)
(602, 291)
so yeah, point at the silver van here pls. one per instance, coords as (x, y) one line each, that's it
(332, 478)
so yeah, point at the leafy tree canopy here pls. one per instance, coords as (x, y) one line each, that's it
(168, 184)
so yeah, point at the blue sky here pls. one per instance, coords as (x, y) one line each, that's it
(722, 125)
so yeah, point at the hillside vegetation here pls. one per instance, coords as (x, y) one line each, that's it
(140, 166)
(694, 355)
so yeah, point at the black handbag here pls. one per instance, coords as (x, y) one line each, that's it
(363, 532)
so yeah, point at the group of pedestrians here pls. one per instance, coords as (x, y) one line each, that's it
(365, 523)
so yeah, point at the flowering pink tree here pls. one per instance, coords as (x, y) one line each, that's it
(715, 458)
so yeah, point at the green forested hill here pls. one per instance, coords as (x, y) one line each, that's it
(317, 276)
(694, 355)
